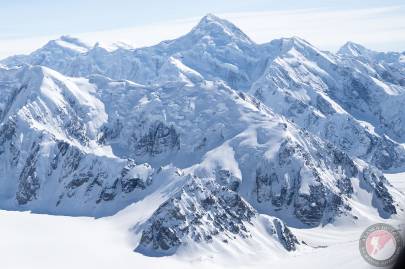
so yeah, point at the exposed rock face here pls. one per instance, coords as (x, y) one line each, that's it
(203, 211)
(110, 132)
(7, 134)
(377, 183)
(284, 183)
(99, 180)
(287, 238)
(226, 178)
(159, 139)
(29, 183)
(83, 177)
(131, 179)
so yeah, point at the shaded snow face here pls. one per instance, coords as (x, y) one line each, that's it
(247, 138)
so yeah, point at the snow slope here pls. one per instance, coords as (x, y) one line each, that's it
(43, 241)
(398, 180)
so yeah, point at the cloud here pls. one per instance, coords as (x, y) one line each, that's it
(378, 28)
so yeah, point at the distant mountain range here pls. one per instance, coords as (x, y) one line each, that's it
(239, 138)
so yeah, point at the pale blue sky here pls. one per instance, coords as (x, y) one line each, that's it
(26, 24)
(27, 18)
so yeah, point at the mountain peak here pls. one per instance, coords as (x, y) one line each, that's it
(295, 41)
(210, 17)
(70, 43)
(217, 28)
(354, 49)
(284, 45)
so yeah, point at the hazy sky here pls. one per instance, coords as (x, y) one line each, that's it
(26, 25)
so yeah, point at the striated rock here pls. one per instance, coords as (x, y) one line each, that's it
(375, 182)
(296, 181)
(201, 211)
(226, 178)
(204, 211)
(29, 182)
(286, 237)
(159, 139)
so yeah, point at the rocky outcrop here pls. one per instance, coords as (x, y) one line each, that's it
(201, 211)
(159, 139)
(286, 237)
(29, 182)
(375, 182)
(204, 211)
(296, 180)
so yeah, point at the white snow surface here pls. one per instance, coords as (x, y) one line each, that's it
(43, 241)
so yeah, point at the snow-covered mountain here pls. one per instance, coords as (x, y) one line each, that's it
(237, 140)
(386, 66)
(338, 92)
(321, 93)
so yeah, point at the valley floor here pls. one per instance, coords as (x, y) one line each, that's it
(41, 241)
